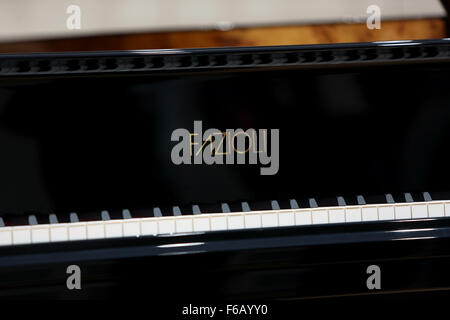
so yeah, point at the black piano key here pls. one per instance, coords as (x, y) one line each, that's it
(427, 196)
(341, 201)
(242, 206)
(32, 220)
(313, 203)
(73, 216)
(408, 197)
(53, 218)
(391, 199)
(293, 204)
(196, 209)
(176, 211)
(275, 205)
(126, 214)
(361, 200)
(245, 207)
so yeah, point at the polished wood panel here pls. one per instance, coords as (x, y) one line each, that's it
(258, 36)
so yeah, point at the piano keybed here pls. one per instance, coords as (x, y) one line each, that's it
(125, 225)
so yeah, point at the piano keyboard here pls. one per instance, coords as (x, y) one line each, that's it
(159, 225)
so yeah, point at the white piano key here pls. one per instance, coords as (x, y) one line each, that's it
(166, 226)
(77, 231)
(131, 228)
(337, 215)
(201, 224)
(184, 225)
(40, 234)
(447, 209)
(96, 230)
(386, 213)
(353, 215)
(319, 216)
(303, 218)
(21, 235)
(59, 232)
(235, 222)
(269, 220)
(369, 213)
(113, 229)
(5, 236)
(219, 223)
(149, 227)
(419, 211)
(286, 218)
(436, 210)
(253, 221)
(402, 212)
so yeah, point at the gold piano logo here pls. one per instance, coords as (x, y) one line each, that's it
(233, 146)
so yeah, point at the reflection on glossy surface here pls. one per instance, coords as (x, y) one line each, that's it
(282, 263)
(86, 144)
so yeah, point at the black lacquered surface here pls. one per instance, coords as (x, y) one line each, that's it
(289, 263)
(90, 143)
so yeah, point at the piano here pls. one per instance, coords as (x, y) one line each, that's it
(93, 173)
